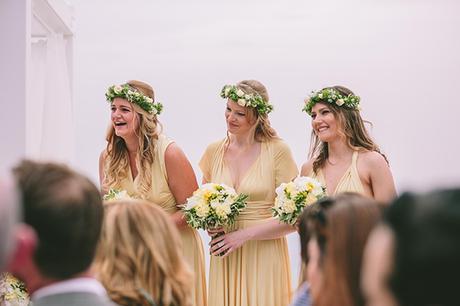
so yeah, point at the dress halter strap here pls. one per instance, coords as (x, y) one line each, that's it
(354, 157)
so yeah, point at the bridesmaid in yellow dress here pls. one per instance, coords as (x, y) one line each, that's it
(150, 166)
(343, 155)
(250, 264)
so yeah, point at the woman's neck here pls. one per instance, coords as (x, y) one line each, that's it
(132, 144)
(339, 151)
(242, 141)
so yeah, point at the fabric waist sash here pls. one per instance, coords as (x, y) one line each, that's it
(256, 210)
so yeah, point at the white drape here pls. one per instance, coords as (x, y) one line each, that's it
(50, 124)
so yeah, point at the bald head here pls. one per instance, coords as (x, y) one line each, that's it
(9, 217)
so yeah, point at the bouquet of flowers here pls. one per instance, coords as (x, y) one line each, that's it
(115, 194)
(293, 197)
(12, 291)
(213, 205)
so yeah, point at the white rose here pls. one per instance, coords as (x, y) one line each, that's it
(227, 90)
(289, 206)
(241, 102)
(191, 203)
(280, 189)
(291, 189)
(122, 195)
(240, 93)
(320, 96)
(223, 211)
(202, 209)
(117, 89)
(339, 102)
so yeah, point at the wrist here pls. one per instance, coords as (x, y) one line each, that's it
(249, 234)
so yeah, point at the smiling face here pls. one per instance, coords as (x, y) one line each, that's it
(124, 119)
(324, 123)
(237, 119)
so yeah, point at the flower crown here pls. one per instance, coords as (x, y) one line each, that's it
(127, 92)
(248, 100)
(332, 96)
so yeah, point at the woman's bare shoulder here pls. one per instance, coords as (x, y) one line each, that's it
(307, 168)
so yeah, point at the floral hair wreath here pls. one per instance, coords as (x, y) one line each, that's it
(127, 92)
(248, 100)
(332, 96)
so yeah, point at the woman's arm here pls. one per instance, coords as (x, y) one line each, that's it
(181, 179)
(271, 229)
(381, 179)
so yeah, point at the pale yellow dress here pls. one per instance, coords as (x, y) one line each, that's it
(349, 182)
(161, 195)
(259, 272)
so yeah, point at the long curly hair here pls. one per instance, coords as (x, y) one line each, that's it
(264, 131)
(139, 257)
(351, 127)
(117, 161)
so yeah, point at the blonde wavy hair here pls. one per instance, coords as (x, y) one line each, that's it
(117, 161)
(139, 257)
(264, 131)
(351, 127)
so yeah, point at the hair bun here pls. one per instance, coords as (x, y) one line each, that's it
(254, 86)
(143, 87)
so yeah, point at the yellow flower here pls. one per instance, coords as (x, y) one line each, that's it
(310, 186)
(207, 194)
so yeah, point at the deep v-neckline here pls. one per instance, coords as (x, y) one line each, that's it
(130, 171)
(339, 182)
(246, 172)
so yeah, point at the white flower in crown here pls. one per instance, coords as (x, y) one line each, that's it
(241, 102)
(117, 89)
(227, 90)
(339, 102)
(240, 93)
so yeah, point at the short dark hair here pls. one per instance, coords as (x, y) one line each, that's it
(65, 209)
(426, 228)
